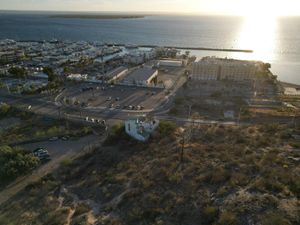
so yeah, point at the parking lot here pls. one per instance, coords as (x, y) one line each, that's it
(113, 96)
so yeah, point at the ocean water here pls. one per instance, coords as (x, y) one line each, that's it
(274, 40)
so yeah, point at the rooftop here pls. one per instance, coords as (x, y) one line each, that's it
(115, 72)
(143, 73)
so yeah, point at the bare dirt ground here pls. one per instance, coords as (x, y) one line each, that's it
(59, 151)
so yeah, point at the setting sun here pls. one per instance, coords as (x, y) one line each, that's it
(258, 34)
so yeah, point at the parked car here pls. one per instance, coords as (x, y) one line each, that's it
(108, 99)
(53, 139)
(65, 138)
(41, 154)
(117, 99)
(118, 106)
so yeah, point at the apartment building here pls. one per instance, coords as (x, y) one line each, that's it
(211, 68)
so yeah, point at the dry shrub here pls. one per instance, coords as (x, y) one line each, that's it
(210, 214)
(228, 218)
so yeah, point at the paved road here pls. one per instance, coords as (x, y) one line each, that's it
(59, 151)
(77, 114)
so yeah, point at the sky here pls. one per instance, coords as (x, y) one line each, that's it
(206, 7)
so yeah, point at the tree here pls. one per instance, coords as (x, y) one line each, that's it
(15, 162)
(18, 72)
(51, 76)
(4, 109)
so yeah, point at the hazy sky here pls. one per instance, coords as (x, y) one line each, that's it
(228, 7)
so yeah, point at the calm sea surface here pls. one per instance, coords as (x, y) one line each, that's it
(273, 40)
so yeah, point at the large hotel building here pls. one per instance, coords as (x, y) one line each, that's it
(212, 68)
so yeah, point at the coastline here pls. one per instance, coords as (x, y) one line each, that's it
(100, 17)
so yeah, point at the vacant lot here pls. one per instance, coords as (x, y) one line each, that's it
(228, 175)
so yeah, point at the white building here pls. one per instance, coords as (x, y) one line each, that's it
(292, 91)
(142, 76)
(77, 77)
(140, 129)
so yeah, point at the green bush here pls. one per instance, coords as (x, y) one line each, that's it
(18, 72)
(116, 134)
(15, 162)
(4, 109)
(166, 128)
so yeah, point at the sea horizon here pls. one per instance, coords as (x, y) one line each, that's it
(278, 44)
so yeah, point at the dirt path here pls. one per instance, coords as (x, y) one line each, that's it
(60, 152)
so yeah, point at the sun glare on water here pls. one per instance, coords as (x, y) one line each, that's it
(259, 32)
(259, 35)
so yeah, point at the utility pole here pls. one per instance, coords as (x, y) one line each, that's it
(294, 118)
(59, 112)
(186, 136)
(182, 150)
(102, 60)
(80, 113)
(239, 117)
(7, 87)
(67, 122)
(93, 93)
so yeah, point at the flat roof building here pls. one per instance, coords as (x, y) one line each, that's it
(142, 76)
(116, 74)
(211, 68)
(173, 62)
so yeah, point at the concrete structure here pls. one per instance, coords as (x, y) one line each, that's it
(292, 91)
(4, 71)
(116, 74)
(142, 76)
(172, 62)
(211, 68)
(77, 77)
(205, 71)
(229, 114)
(40, 75)
(140, 129)
(11, 56)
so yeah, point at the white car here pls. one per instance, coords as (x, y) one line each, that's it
(53, 139)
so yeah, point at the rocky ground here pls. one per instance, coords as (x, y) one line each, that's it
(228, 175)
